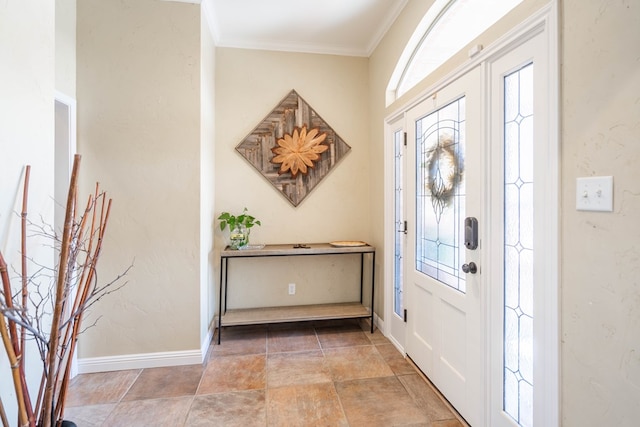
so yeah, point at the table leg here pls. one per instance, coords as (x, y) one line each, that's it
(223, 267)
(373, 281)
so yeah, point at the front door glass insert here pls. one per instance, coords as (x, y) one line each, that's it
(440, 194)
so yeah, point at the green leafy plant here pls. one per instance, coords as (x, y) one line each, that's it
(233, 221)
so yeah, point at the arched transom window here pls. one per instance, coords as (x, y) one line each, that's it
(447, 27)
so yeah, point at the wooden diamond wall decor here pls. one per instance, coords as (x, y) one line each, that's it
(293, 148)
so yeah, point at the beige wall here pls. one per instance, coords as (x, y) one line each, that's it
(601, 254)
(140, 135)
(27, 44)
(249, 83)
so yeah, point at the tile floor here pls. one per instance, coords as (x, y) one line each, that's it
(305, 374)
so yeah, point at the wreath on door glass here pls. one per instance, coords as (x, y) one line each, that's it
(443, 173)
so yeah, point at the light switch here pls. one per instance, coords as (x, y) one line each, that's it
(594, 193)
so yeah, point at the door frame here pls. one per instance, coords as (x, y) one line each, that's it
(65, 147)
(391, 322)
(543, 22)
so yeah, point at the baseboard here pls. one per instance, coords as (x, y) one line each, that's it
(90, 365)
(139, 361)
(208, 339)
(147, 360)
(379, 323)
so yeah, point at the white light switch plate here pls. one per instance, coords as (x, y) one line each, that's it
(594, 193)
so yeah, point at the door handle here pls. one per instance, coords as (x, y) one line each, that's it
(404, 230)
(470, 268)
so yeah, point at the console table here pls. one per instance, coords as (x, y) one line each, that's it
(261, 315)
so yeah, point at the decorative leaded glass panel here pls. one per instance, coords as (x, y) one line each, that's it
(518, 245)
(440, 194)
(398, 139)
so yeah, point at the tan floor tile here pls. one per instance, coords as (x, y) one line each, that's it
(376, 337)
(99, 388)
(292, 339)
(291, 326)
(307, 367)
(233, 409)
(243, 329)
(378, 402)
(348, 335)
(170, 381)
(152, 412)
(427, 399)
(396, 361)
(239, 340)
(233, 373)
(89, 416)
(332, 323)
(447, 423)
(270, 376)
(356, 362)
(304, 405)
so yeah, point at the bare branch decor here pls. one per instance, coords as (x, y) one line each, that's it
(293, 148)
(22, 313)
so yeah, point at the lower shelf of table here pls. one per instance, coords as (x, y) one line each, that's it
(254, 316)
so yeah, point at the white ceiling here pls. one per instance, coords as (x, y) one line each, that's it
(341, 27)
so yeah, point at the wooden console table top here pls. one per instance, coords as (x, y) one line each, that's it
(291, 249)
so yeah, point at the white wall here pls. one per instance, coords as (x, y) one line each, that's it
(27, 43)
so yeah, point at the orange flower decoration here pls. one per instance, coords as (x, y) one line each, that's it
(298, 152)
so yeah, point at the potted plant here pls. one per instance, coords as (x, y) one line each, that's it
(239, 227)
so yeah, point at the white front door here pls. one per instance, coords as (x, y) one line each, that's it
(445, 323)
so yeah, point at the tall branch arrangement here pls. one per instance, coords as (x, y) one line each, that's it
(24, 315)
